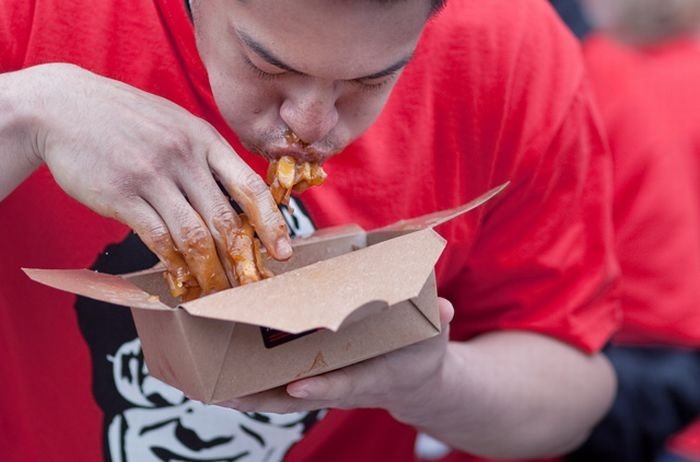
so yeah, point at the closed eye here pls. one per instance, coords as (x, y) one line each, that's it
(259, 72)
(374, 83)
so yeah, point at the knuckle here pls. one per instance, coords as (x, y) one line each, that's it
(135, 173)
(207, 131)
(144, 170)
(224, 219)
(275, 222)
(168, 154)
(253, 186)
(158, 232)
(178, 143)
(158, 239)
(195, 237)
(223, 213)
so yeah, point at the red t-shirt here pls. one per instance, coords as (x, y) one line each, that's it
(495, 92)
(649, 103)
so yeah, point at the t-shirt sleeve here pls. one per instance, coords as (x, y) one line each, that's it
(543, 258)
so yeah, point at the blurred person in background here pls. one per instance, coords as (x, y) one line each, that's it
(644, 61)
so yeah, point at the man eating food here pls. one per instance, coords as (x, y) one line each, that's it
(120, 117)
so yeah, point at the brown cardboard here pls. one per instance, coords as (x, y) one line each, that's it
(352, 294)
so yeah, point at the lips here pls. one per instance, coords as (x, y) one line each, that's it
(301, 155)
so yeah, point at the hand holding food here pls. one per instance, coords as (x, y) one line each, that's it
(152, 165)
(242, 248)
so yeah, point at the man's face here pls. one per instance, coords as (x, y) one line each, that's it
(322, 69)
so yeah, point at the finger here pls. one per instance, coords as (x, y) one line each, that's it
(221, 219)
(276, 400)
(447, 313)
(189, 233)
(365, 383)
(249, 190)
(344, 388)
(151, 229)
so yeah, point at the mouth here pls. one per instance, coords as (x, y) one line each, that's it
(275, 150)
(300, 155)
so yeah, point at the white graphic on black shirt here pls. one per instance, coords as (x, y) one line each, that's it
(163, 425)
(299, 223)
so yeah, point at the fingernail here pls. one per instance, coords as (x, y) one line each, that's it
(284, 248)
(298, 392)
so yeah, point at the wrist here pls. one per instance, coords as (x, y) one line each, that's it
(434, 399)
(20, 119)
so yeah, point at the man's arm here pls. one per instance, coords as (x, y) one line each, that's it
(504, 394)
(545, 395)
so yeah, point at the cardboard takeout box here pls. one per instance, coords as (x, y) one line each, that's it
(345, 296)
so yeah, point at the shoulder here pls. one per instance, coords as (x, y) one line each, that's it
(77, 31)
(503, 34)
(512, 61)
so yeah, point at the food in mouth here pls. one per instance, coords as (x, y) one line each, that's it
(286, 175)
(242, 247)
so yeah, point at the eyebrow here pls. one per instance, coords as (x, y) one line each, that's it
(268, 56)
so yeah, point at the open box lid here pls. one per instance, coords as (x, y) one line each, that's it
(329, 291)
(434, 219)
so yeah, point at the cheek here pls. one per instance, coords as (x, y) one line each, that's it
(244, 101)
(359, 110)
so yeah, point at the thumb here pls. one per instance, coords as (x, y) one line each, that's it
(447, 312)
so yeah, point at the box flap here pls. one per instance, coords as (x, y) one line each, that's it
(426, 302)
(104, 287)
(321, 246)
(434, 219)
(323, 294)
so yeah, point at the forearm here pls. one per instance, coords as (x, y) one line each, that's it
(18, 153)
(515, 395)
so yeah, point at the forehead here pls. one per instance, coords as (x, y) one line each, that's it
(348, 37)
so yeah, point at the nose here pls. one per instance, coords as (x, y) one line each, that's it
(311, 112)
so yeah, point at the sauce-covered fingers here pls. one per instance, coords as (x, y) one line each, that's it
(190, 236)
(250, 192)
(148, 225)
(240, 248)
(234, 236)
(181, 282)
